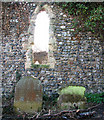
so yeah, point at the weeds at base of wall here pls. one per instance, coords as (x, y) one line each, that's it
(51, 101)
(39, 66)
(95, 98)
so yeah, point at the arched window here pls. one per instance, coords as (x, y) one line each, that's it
(41, 39)
(41, 42)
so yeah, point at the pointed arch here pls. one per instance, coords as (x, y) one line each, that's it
(52, 40)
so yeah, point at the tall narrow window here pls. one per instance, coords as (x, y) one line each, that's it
(41, 38)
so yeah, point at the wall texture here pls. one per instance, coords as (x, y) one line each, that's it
(1, 60)
(76, 59)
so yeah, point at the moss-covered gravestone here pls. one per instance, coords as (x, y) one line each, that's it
(72, 97)
(28, 95)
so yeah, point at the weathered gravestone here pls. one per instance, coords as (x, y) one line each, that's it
(72, 97)
(28, 95)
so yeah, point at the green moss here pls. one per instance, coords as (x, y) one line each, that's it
(73, 90)
(39, 66)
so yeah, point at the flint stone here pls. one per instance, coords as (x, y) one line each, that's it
(28, 95)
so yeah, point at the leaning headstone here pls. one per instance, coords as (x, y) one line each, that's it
(72, 97)
(28, 95)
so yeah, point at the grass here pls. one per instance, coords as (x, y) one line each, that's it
(39, 66)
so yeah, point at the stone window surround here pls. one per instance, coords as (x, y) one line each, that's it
(52, 39)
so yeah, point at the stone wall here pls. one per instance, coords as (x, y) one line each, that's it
(78, 58)
(1, 60)
(12, 53)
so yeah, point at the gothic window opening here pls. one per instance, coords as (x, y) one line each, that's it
(41, 42)
(41, 39)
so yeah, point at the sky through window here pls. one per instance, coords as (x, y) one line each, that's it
(41, 32)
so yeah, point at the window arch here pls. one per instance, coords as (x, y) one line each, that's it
(31, 41)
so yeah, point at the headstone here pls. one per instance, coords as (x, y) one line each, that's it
(72, 97)
(28, 95)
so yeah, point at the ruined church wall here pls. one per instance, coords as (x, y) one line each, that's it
(13, 55)
(0, 60)
(78, 58)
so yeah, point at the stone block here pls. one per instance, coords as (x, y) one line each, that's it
(72, 97)
(28, 95)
